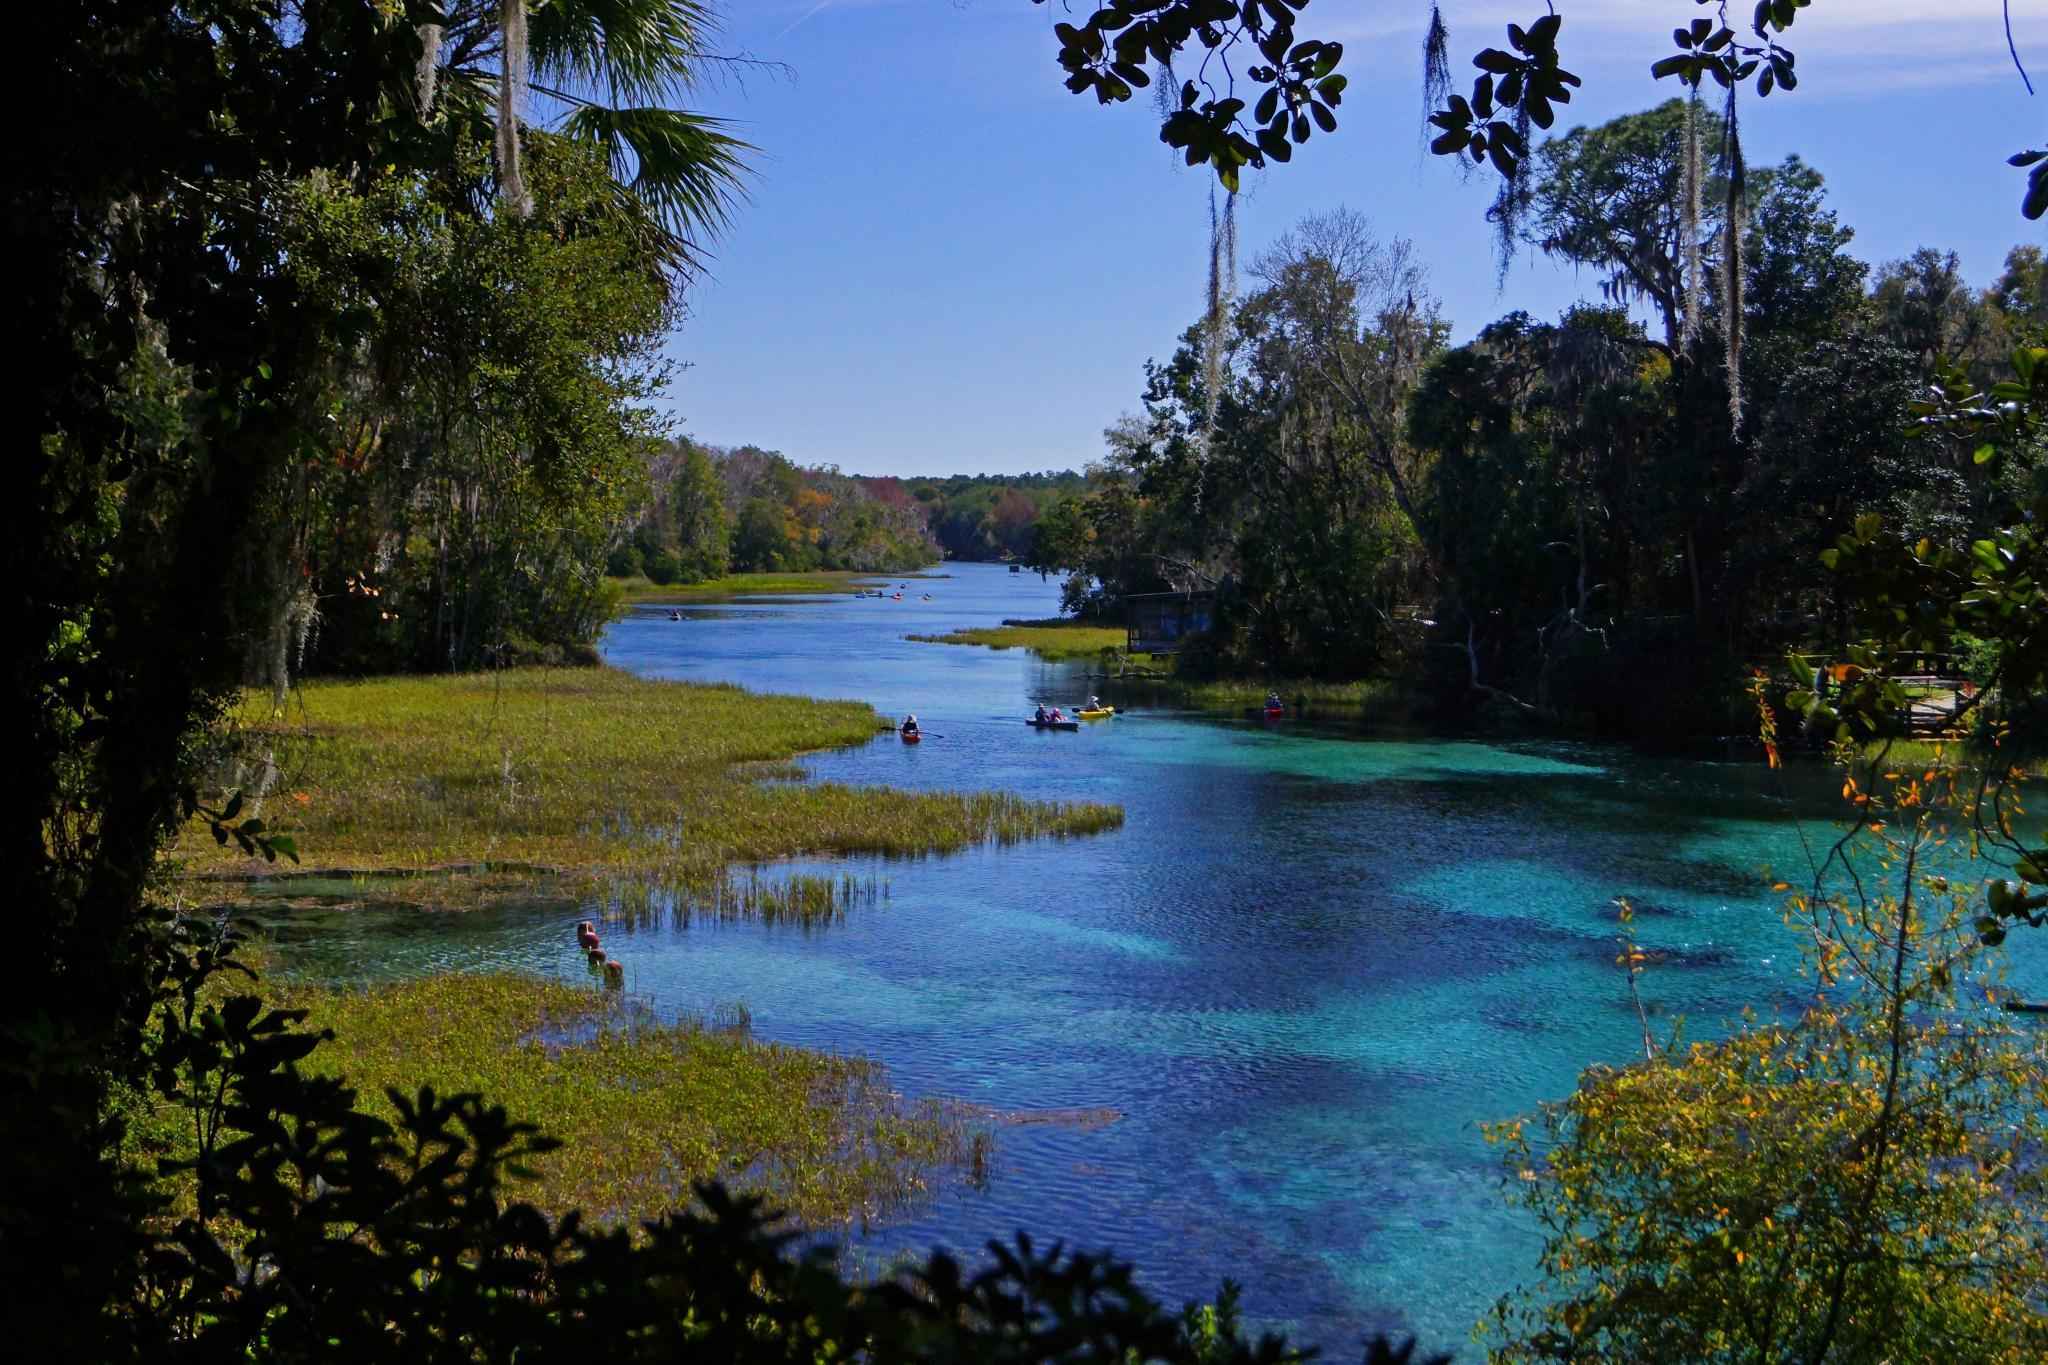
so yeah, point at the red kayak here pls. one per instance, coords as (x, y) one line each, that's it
(1275, 712)
(913, 737)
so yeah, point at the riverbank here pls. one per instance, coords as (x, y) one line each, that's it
(590, 775)
(1054, 639)
(1375, 699)
(1379, 701)
(756, 584)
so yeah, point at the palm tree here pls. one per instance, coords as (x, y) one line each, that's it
(606, 72)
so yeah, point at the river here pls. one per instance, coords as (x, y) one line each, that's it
(1306, 968)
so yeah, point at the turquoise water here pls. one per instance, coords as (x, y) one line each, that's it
(1302, 973)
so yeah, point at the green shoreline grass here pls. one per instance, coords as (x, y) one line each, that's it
(1065, 638)
(745, 584)
(1058, 638)
(1375, 695)
(650, 794)
(644, 1108)
(593, 774)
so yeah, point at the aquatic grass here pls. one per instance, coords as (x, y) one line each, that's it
(1372, 694)
(809, 900)
(645, 1108)
(590, 774)
(1057, 638)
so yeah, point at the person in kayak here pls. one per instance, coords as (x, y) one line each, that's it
(1094, 703)
(1039, 717)
(910, 725)
(1273, 702)
(1056, 717)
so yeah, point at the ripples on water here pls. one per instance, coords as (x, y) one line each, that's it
(1305, 969)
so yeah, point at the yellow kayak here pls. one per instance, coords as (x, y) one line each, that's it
(1101, 713)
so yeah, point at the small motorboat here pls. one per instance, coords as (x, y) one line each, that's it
(1052, 724)
(1096, 712)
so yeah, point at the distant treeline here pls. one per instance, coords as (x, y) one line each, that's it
(989, 516)
(708, 511)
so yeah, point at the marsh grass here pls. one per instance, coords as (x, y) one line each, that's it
(591, 776)
(644, 1107)
(745, 584)
(1376, 703)
(1369, 695)
(809, 900)
(1057, 638)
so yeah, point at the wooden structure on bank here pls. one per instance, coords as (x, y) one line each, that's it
(1157, 622)
(1155, 626)
(1936, 693)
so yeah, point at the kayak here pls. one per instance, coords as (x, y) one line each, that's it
(1099, 713)
(1054, 724)
(1275, 712)
(913, 737)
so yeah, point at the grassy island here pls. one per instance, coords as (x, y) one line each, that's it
(1057, 638)
(758, 584)
(644, 1108)
(590, 774)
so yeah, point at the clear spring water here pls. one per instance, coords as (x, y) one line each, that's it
(1305, 969)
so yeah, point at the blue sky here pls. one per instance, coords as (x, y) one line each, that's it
(948, 263)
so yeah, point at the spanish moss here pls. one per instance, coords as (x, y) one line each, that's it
(1436, 66)
(511, 95)
(1731, 263)
(430, 65)
(1166, 93)
(1511, 202)
(1222, 288)
(1689, 228)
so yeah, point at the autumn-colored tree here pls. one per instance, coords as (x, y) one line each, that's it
(1855, 1178)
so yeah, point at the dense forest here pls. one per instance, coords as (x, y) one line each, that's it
(706, 511)
(990, 516)
(1605, 519)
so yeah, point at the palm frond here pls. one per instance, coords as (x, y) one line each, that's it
(635, 51)
(685, 167)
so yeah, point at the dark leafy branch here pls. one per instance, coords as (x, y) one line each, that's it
(1292, 86)
(1297, 84)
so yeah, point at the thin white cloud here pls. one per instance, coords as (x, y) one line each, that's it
(1910, 42)
(801, 17)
